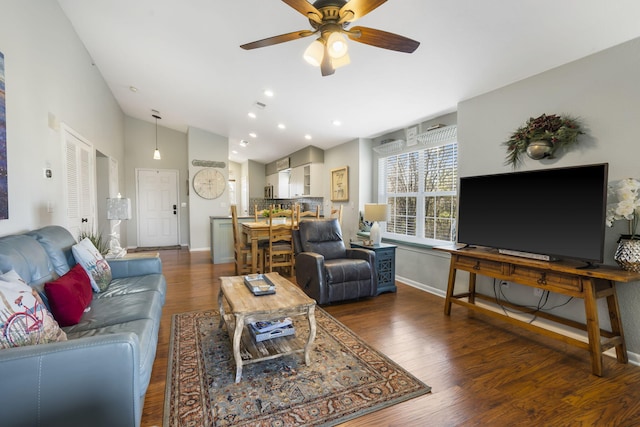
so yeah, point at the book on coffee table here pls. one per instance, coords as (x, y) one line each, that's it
(282, 331)
(268, 325)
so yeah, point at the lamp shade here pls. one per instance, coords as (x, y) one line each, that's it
(375, 212)
(118, 208)
(314, 53)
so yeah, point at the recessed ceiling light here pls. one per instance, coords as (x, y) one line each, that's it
(253, 135)
(252, 115)
(307, 136)
(268, 92)
(281, 126)
(133, 88)
(234, 152)
(244, 143)
(336, 122)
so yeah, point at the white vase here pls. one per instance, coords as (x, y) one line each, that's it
(628, 254)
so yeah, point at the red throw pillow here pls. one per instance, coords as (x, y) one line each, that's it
(69, 296)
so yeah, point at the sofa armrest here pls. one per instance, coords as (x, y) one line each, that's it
(310, 276)
(134, 267)
(92, 381)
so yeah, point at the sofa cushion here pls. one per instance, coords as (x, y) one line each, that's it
(57, 241)
(69, 296)
(94, 264)
(119, 309)
(24, 320)
(135, 284)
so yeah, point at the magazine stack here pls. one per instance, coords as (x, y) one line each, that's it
(266, 330)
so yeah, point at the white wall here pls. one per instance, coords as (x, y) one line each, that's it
(203, 145)
(48, 71)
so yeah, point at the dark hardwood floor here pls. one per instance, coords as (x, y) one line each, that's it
(482, 372)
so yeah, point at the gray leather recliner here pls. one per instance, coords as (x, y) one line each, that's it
(326, 270)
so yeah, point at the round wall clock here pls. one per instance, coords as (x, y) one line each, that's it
(209, 183)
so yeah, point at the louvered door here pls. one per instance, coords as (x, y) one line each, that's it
(80, 186)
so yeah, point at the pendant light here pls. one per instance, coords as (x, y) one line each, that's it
(156, 153)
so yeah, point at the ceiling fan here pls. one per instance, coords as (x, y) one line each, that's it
(331, 18)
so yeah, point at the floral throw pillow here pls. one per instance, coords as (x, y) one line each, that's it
(24, 319)
(93, 263)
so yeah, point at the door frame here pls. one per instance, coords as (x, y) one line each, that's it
(178, 216)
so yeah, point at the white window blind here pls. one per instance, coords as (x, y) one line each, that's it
(420, 188)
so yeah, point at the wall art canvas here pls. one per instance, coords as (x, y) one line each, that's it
(4, 189)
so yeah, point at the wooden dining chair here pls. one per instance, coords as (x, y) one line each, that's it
(336, 213)
(259, 215)
(242, 250)
(301, 214)
(279, 252)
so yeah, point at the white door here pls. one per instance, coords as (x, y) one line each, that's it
(80, 182)
(157, 207)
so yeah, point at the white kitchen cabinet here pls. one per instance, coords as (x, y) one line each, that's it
(306, 180)
(281, 183)
(297, 181)
(312, 175)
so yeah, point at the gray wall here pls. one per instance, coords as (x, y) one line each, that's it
(603, 91)
(203, 145)
(140, 142)
(48, 73)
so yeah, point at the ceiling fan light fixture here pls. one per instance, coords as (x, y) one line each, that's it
(337, 45)
(314, 53)
(340, 62)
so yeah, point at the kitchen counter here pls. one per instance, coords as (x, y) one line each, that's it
(222, 237)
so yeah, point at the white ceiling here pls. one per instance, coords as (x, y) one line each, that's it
(184, 58)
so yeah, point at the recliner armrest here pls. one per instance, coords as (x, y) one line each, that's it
(370, 257)
(310, 275)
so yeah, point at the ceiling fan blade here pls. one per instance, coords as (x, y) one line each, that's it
(358, 9)
(326, 67)
(305, 8)
(278, 39)
(382, 39)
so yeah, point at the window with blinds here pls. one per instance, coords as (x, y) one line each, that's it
(420, 188)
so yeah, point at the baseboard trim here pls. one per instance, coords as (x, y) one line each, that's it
(634, 358)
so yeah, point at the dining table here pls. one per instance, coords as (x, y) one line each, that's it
(252, 233)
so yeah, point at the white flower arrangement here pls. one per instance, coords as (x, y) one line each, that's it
(627, 192)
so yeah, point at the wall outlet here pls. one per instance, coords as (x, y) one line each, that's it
(537, 292)
(504, 284)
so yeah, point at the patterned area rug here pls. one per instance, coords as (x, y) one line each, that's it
(346, 379)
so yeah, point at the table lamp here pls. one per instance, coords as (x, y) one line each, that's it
(374, 212)
(118, 209)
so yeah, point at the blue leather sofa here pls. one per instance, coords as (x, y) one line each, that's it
(100, 375)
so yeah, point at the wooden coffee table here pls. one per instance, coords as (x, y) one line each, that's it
(244, 308)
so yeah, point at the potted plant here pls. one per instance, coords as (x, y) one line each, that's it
(541, 137)
(627, 207)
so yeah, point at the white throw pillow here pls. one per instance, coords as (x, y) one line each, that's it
(94, 264)
(24, 319)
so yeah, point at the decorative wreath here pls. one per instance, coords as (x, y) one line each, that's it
(552, 130)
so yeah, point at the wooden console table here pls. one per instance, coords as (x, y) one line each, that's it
(563, 277)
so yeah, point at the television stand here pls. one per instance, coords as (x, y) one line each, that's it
(563, 277)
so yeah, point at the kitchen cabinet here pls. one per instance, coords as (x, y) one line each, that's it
(306, 180)
(280, 182)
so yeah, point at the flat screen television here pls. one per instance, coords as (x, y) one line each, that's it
(558, 213)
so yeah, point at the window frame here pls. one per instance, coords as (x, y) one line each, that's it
(421, 195)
